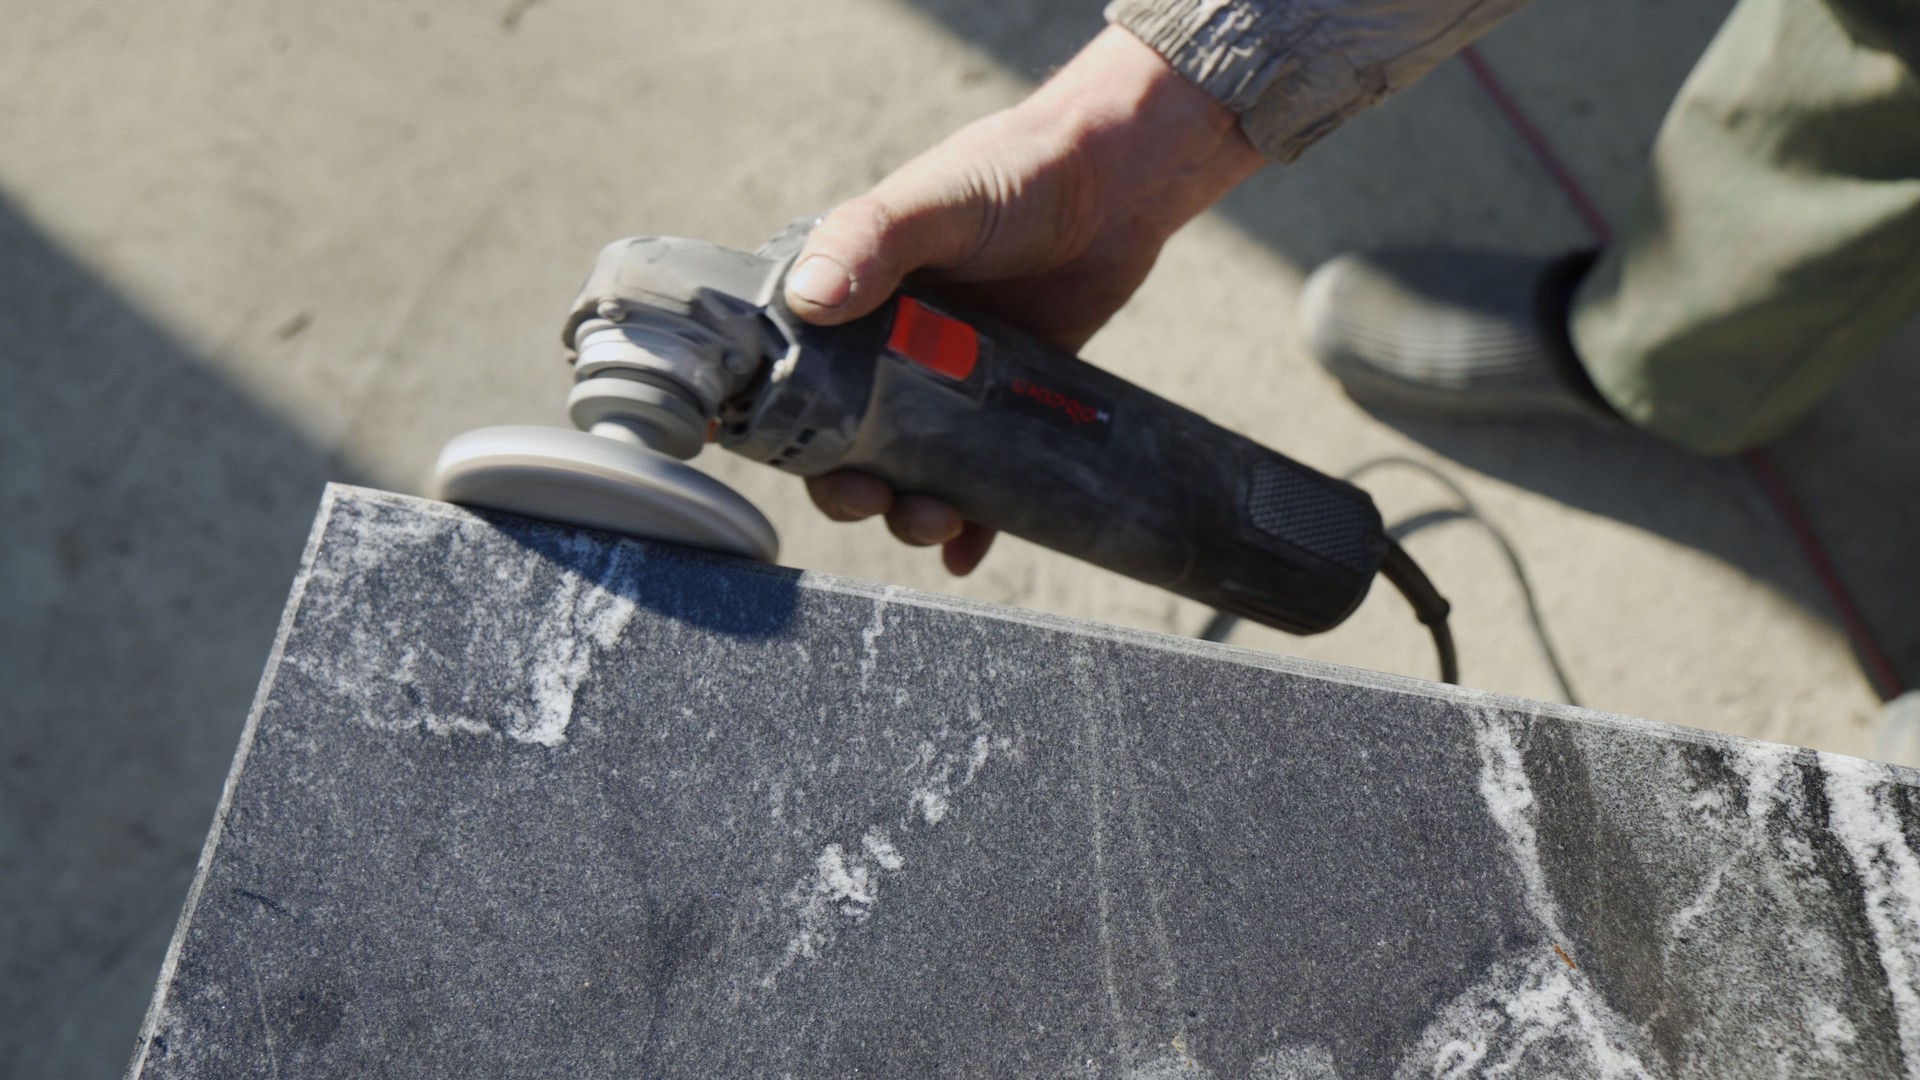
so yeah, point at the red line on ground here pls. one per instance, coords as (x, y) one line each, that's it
(1542, 149)
(1879, 670)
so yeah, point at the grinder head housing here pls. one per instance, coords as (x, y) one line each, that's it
(664, 334)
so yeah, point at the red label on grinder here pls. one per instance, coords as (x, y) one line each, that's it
(940, 343)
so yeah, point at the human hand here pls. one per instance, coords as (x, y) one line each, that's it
(1047, 216)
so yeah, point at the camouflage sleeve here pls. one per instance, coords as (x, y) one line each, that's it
(1293, 70)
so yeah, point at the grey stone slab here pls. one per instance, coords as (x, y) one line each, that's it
(520, 800)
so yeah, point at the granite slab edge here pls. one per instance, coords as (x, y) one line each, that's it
(1174, 643)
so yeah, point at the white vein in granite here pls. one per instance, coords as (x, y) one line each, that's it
(1770, 875)
(1773, 878)
(935, 782)
(1832, 1032)
(1768, 769)
(1532, 1013)
(844, 886)
(1730, 842)
(870, 638)
(523, 662)
(876, 844)
(929, 796)
(1861, 814)
(581, 618)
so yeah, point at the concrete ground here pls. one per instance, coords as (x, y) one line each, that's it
(247, 248)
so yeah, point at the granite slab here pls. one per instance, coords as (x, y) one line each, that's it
(519, 800)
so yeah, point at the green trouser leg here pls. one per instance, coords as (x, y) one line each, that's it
(1776, 241)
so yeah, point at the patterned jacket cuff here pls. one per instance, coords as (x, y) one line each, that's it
(1294, 70)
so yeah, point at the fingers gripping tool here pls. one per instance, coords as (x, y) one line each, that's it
(676, 342)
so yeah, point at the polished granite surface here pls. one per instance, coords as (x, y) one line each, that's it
(518, 800)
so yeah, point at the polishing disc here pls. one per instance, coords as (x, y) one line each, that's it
(581, 479)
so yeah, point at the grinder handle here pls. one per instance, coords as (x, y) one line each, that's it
(1028, 439)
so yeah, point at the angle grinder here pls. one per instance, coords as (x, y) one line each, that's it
(676, 343)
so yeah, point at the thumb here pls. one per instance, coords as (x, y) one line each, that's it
(855, 258)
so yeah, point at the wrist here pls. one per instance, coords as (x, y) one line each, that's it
(1158, 149)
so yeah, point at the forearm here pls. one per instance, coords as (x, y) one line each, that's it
(1157, 148)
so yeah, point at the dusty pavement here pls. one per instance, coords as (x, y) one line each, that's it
(246, 248)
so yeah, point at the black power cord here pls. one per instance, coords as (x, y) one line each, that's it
(1427, 603)
(1428, 606)
(1468, 511)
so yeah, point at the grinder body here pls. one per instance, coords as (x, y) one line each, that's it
(1030, 440)
(1017, 435)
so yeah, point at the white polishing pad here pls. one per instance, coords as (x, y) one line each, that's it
(581, 479)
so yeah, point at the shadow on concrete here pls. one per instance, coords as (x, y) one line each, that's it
(1439, 165)
(155, 516)
(1855, 465)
